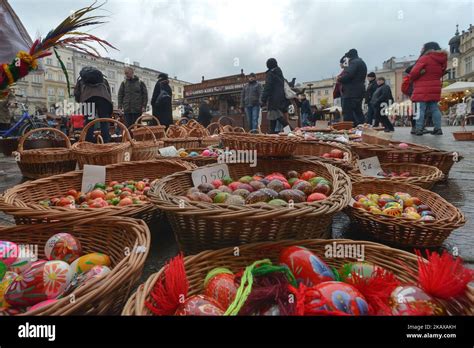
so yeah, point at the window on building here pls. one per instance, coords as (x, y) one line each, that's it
(51, 91)
(49, 61)
(37, 92)
(61, 77)
(36, 78)
(50, 76)
(179, 89)
(319, 93)
(468, 64)
(326, 92)
(61, 92)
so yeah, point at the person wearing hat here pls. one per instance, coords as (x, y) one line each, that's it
(353, 87)
(250, 100)
(161, 101)
(371, 87)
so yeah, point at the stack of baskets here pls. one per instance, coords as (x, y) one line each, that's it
(141, 134)
(143, 150)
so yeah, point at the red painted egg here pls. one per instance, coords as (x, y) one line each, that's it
(305, 265)
(27, 289)
(221, 288)
(199, 305)
(64, 247)
(342, 297)
(411, 300)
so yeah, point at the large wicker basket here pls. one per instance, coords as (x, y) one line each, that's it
(177, 136)
(40, 163)
(401, 231)
(142, 134)
(200, 226)
(420, 174)
(102, 154)
(197, 267)
(110, 236)
(265, 145)
(199, 161)
(318, 148)
(144, 150)
(22, 201)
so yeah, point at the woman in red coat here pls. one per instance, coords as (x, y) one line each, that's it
(426, 77)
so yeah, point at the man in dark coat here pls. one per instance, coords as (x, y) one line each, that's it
(132, 97)
(305, 110)
(371, 88)
(353, 87)
(250, 101)
(204, 115)
(380, 101)
(274, 95)
(161, 100)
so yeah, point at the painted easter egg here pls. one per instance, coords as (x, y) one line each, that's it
(375, 210)
(392, 212)
(410, 209)
(64, 247)
(27, 288)
(411, 300)
(3, 270)
(395, 205)
(342, 297)
(4, 284)
(27, 255)
(373, 197)
(87, 262)
(361, 269)
(428, 218)
(413, 215)
(56, 276)
(42, 304)
(220, 286)
(426, 213)
(8, 252)
(199, 305)
(307, 268)
(84, 278)
(401, 196)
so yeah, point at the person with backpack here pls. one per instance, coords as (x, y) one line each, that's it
(371, 88)
(274, 97)
(380, 102)
(426, 76)
(92, 87)
(132, 97)
(161, 101)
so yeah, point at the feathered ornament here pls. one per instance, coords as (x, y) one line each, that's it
(65, 35)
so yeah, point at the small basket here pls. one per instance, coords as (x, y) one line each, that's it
(142, 134)
(177, 136)
(265, 145)
(200, 226)
(198, 266)
(345, 125)
(318, 148)
(145, 149)
(464, 135)
(102, 154)
(401, 231)
(40, 163)
(110, 236)
(22, 201)
(422, 175)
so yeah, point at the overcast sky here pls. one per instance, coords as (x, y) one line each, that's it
(191, 38)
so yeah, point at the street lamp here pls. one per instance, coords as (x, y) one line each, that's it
(310, 92)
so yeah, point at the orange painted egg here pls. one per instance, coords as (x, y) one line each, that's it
(199, 305)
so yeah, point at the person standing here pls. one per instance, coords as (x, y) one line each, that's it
(161, 101)
(250, 100)
(353, 87)
(371, 87)
(426, 77)
(273, 95)
(92, 87)
(132, 97)
(305, 110)
(5, 115)
(204, 115)
(381, 100)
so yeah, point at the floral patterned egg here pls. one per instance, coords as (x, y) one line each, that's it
(221, 288)
(27, 289)
(361, 269)
(26, 257)
(4, 284)
(199, 305)
(64, 247)
(8, 252)
(342, 297)
(56, 276)
(42, 304)
(87, 262)
(411, 300)
(305, 265)
(84, 278)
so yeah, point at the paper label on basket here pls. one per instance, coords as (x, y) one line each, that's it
(206, 175)
(322, 124)
(286, 130)
(351, 203)
(370, 167)
(92, 175)
(169, 151)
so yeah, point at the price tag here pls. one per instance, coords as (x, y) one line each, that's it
(370, 167)
(351, 203)
(322, 124)
(91, 176)
(208, 174)
(286, 130)
(169, 151)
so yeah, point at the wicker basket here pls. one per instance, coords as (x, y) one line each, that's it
(40, 163)
(345, 125)
(318, 148)
(143, 150)
(201, 226)
(102, 154)
(400, 231)
(111, 236)
(22, 201)
(421, 174)
(214, 130)
(177, 136)
(198, 161)
(142, 134)
(265, 145)
(197, 267)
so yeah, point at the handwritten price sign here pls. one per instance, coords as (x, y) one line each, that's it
(370, 166)
(206, 175)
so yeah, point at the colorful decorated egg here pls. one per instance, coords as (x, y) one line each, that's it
(373, 197)
(401, 196)
(413, 215)
(307, 268)
(428, 218)
(411, 300)
(426, 213)
(395, 205)
(8, 252)
(342, 297)
(63, 247)
(3, 270)
(42, 304)
(26, 257)
(199, 305)
(392, 212)
(362, 269)
(27, 289)
(359, 197)
(375, 210)
(4, 284)
(410, 209)
(57, 276)
(87, 262)
(219, 285)
(84, 278)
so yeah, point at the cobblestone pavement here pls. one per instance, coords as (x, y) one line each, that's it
(459, 190)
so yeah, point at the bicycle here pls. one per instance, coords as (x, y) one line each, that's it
(24, 124)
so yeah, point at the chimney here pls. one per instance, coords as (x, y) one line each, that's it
(202, 79)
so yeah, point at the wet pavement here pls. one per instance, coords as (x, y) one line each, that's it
(459, 190)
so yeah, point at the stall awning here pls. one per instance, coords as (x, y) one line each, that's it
(460, 86)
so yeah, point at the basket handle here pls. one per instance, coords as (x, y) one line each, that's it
(133, 126)
(145, 116)
(225, 118)
(182, 130)
(125, 131)
(218, 130)
(239, 130)
(192, 123)
(100, 140)
(54, 130)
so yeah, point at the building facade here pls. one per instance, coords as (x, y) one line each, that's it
(461, 56)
